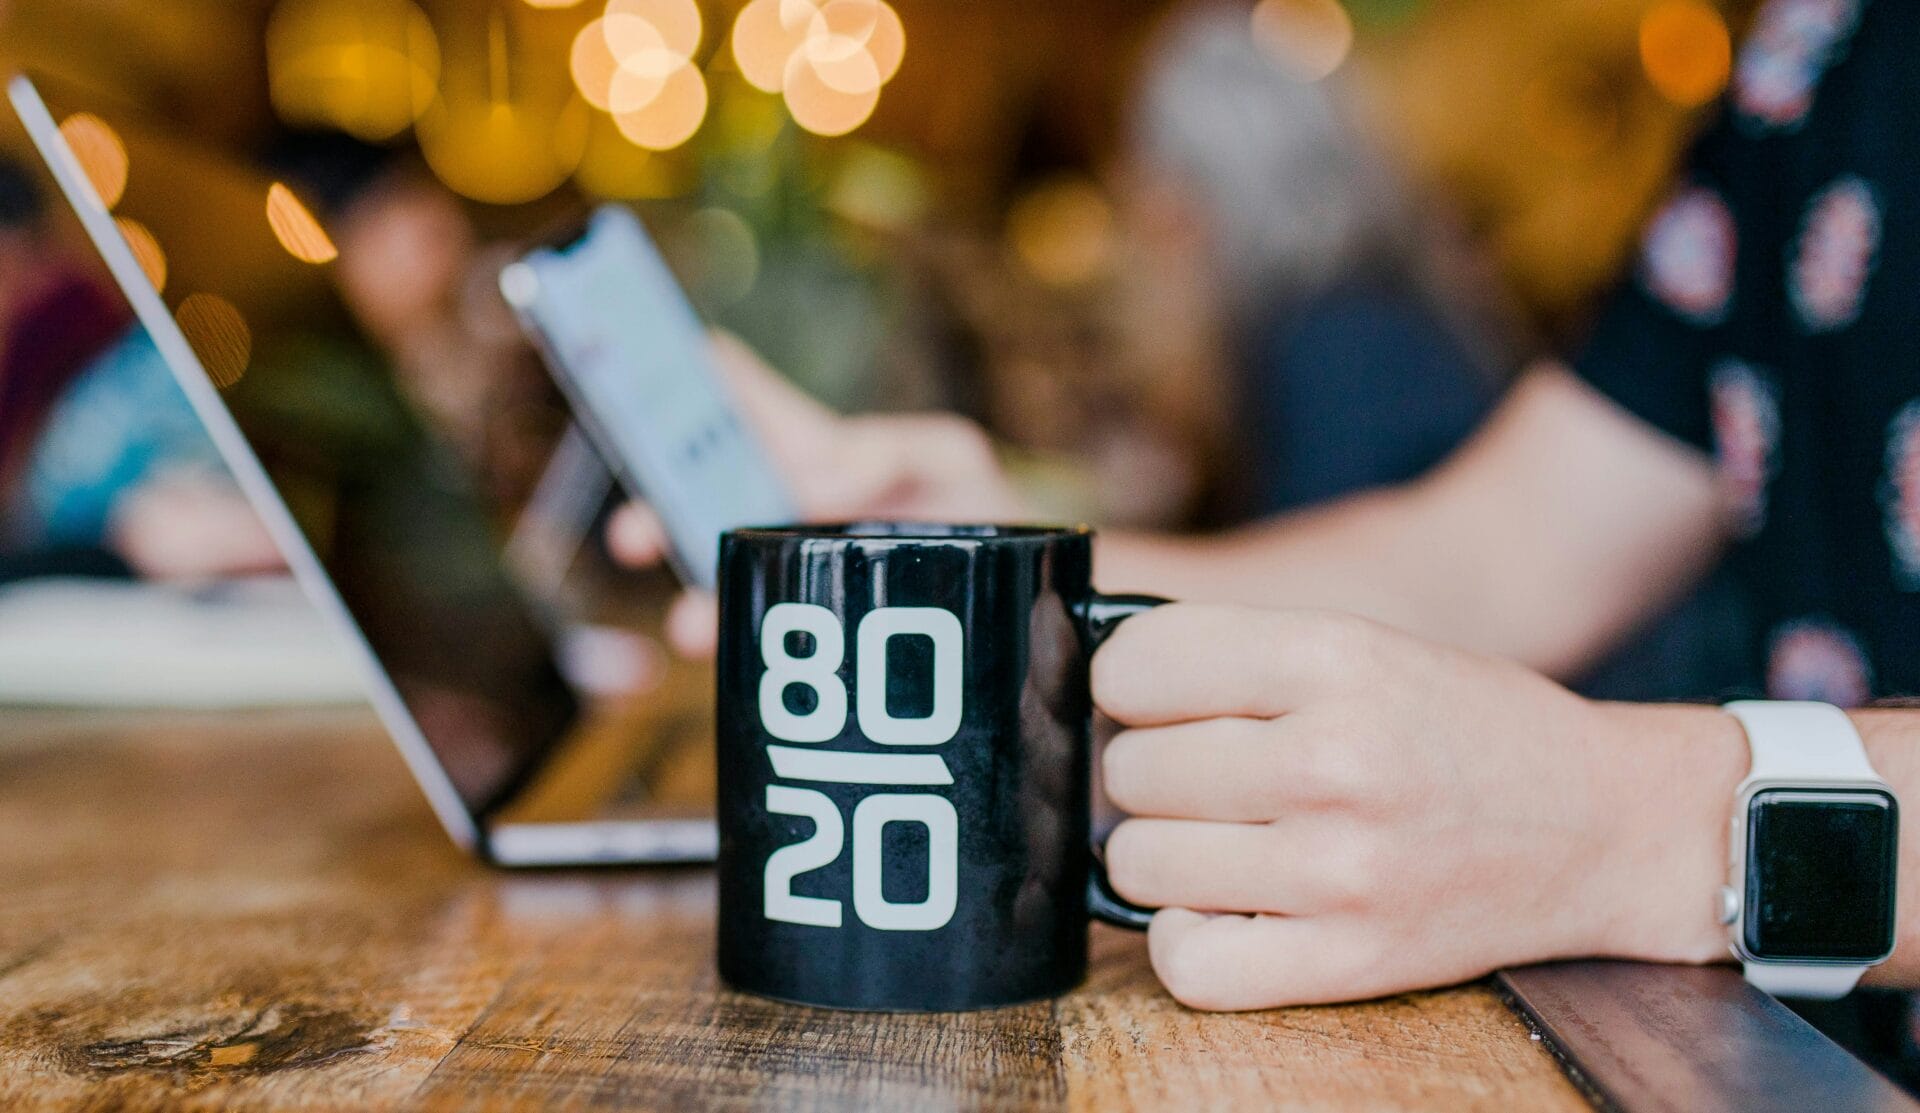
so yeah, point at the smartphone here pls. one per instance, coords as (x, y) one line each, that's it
(632, 358)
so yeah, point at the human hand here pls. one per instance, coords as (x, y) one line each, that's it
(912, 467)
(190, 527)
(1327, 810)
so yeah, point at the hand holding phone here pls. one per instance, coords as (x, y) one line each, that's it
(929, 466)
(900, 466)
(633, 359)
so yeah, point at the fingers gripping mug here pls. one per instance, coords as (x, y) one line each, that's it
(905, 751)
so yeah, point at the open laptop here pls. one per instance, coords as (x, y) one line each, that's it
(397, 552)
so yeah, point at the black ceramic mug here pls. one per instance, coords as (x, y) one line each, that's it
(905, 750)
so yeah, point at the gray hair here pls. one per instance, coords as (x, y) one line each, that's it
(1291, 196)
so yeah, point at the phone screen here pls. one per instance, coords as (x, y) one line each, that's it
(631, 353)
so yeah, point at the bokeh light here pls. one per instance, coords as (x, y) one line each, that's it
(763, 42)
(552, 5)
(367, 67)
(218, 334)
(621, 80)
(818, 106)
(146, 250)
(1686, 51)
(504, 130)
(502, 153)
(1062, 231)
(672, 115)
(635, 62)
(827, 60)
(887, 42)
(865, 27)
(641, 73)
(878, 188)
(102, 156)
(593, 65)
(295, 226)
(673, 24)
(841, 62)
(1309, 38)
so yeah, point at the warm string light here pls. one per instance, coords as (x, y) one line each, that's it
(101, 154)
(501, 132)
(635, 62)
(146, 250)
(672, 115)
(367, 67)
(828, 60)
(103, 159)
(218, 334)
(634, 26)
(593, 65)
(373, 69)
(295, 226)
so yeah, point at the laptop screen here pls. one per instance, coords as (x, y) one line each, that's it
(410, 541)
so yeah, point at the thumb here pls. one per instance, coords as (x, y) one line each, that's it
(693, 625)
(777, 409)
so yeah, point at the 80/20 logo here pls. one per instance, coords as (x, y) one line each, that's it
(819, 671)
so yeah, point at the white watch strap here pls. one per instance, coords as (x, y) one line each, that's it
(1814, 744)
(1794, 741)
(1803, 979)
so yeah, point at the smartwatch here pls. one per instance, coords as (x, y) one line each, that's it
(1814, 850)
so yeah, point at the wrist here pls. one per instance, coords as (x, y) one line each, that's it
(1675, 771)
(1891, 735)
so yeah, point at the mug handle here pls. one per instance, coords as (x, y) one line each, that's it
(1103, 616)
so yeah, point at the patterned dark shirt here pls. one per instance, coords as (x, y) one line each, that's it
(1773, 320)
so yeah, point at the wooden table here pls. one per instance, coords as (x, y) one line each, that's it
(253, 911)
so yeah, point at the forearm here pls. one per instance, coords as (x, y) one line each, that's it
(1343, 556)
(1411, 557)
(1562, 525)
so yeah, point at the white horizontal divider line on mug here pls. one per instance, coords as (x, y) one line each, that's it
(796, 764)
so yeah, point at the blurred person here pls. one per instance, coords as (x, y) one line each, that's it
(422, 287)
(1361, 343)
(103, 466)
(1264, 224)
(1388, 791)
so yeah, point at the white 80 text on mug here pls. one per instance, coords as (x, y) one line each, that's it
(820, 672)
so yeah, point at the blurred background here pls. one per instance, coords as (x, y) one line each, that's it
(1190, 263)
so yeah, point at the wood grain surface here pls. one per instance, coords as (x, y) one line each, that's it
(257, 911)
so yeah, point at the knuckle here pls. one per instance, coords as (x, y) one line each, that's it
(1336, 770)
(1344, 645)
(1358, 870)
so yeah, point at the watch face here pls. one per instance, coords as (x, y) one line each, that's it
(1820, 875)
